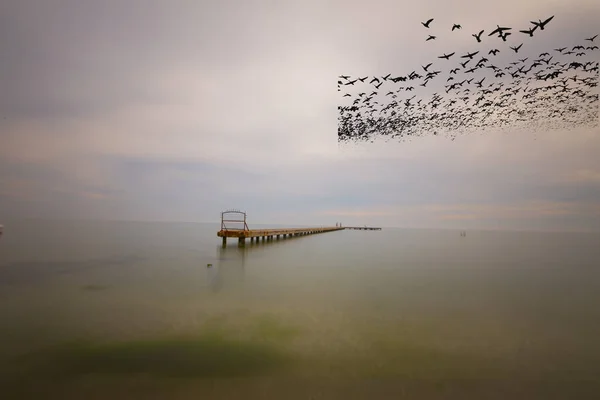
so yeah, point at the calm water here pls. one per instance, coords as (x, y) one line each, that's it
(131, 310)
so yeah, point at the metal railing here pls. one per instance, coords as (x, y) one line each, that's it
(225, 218)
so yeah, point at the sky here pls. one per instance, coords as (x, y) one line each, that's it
(176, 110)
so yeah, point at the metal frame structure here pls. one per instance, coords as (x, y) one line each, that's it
(236, 212)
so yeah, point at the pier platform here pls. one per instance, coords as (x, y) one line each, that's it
(270, 234)
(238, 228)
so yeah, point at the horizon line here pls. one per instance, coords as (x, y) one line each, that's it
(477, 229)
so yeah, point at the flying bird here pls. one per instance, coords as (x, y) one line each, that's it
(592, 38)
(541, 24)
(499, 30)
(427, 66)
(426, 24)
(456, 26)
(494, 51)
(470, 55)
(446, 56)
(431, 37)
(478, 36)
(530, 31)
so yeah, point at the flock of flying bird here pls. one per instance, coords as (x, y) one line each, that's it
(552, 90)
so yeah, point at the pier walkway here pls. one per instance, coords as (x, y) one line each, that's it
(242, 232)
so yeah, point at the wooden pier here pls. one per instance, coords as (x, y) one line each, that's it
(363, 228)
(270, 234)
(242, 232)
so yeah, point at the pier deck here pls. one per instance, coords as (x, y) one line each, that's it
(252, 233)
(269, 234)
(242, 232)
(363, 228)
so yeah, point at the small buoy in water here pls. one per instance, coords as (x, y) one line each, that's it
(208, 265)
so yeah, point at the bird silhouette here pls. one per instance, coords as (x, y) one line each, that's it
(426, 24)
(529, 31)
(470, 55)
(541, 24)
(456, 26)
(431, 37)
(499, 30)
(516, 49)
(446, 56)
(591, 39)
(494, 51)
(478, 36)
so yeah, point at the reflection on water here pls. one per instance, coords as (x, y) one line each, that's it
(229, 269)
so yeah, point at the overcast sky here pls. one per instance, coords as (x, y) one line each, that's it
(176, 110)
